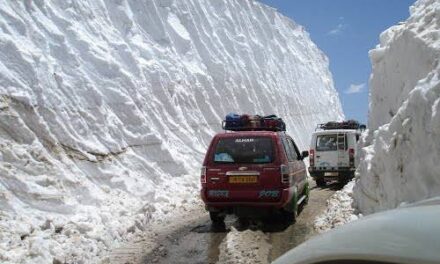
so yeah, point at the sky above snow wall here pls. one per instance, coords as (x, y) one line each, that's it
(399, 160)
(107, 107)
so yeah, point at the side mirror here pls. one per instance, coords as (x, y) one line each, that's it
(305, 154)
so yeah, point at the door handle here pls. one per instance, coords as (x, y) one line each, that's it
(318, 157)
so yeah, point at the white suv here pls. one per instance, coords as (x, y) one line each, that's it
(332, 153)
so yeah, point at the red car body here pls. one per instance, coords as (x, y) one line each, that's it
(274, 178)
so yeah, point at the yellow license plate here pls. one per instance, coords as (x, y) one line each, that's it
(243, 179)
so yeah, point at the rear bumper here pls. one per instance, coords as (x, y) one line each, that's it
(284, 198)
(317, 172)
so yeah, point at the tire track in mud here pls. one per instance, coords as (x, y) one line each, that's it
(303, 229)
(199, 241)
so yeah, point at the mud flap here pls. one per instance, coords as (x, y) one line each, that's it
(304, 198)
(292, 205)
(290, 211)
(305, 195)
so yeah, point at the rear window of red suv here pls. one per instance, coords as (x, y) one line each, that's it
(254, 150)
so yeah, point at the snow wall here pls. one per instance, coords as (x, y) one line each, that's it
(107, 108)
(400, 158)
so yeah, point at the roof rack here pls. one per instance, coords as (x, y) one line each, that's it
(234, 122)
(348, 124)
(252, 128)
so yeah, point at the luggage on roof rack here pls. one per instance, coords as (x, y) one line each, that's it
(348, 124)
(235, 122)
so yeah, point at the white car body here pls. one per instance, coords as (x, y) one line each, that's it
(331, 150)
(409, 235)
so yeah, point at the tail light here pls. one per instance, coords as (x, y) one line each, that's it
(312, 158)
(203, 175)
(285, 178)
(351, 157)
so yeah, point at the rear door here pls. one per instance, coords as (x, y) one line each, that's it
(343, 157)
(327, 155)
(243, 169)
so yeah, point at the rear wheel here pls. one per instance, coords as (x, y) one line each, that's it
(346, 178)
(243, 221)
(350, 176)
(320, 182)
(343, 181)
(217, 217)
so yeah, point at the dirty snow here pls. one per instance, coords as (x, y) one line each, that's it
(107, 108)
(399, 160)
(339, 210)
(244, 247)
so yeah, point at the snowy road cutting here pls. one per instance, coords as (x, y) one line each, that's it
(107, 109)
(195, 240)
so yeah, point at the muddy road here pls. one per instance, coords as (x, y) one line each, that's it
(199, 241)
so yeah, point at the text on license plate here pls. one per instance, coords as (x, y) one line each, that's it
(331, 174)
(242, 179)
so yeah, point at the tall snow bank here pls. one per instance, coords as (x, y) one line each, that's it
(107, 108)
(401, 151)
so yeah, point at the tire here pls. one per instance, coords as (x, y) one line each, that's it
(288, 217)
(343, 181)
(217, 218)
(351, 176)
(320, 182)
(243, 221)
(346, 178)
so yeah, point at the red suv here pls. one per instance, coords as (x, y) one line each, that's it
(253, 173)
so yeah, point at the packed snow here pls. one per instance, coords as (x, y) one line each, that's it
(339, 210)
(235, 248)
(399, 160)
(107, 107)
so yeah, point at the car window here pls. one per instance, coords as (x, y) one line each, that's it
(327, 142)
(244, 150)
(287, 149)
(293, 149)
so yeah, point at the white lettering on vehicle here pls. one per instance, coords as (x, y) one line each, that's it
(218, 193)
(244, 140)
(268, 194)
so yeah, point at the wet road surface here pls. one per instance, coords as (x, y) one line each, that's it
(199, 242)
